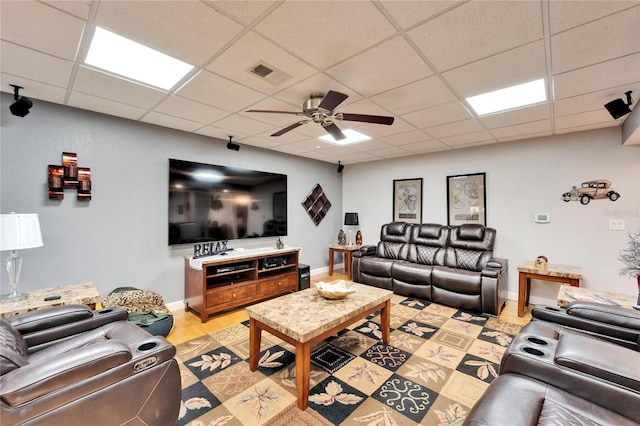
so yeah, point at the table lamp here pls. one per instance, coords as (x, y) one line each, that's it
(351, 219)
(17, 232)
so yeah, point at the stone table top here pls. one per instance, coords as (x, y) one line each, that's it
(552, 270)
(305, 314)
(568, 294)
(84, 293)
(349, 247)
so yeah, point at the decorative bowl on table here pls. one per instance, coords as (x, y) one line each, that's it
(335, 290)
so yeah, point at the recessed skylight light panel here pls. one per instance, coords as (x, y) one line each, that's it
(351, 137)
(508, 98)
(119, 55)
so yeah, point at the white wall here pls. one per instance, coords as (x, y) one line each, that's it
(120, 237)
(523, 177)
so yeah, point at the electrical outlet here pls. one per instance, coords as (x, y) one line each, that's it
(616, 224)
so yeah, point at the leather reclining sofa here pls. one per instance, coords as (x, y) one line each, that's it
(575, 366)
(68, 365)
(450, 265)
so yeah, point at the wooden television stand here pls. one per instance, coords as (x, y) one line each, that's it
(238, 278)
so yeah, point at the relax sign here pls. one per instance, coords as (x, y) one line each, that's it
(209, 249)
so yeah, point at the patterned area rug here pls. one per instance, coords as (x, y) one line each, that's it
(439, 363)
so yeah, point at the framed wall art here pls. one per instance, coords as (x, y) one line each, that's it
(466, 199)
(407, 200)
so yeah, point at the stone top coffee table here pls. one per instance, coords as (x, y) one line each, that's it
(305, 318)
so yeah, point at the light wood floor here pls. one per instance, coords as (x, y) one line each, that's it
(187, 325)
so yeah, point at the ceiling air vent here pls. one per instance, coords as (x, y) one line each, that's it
(269, 73)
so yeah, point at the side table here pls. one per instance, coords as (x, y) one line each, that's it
(348, 256)
(568, 294)
(552, 272)
(82, 293)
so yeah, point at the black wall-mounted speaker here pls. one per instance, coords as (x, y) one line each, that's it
(617, 108)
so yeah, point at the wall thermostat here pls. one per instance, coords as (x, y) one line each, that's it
(542, 218)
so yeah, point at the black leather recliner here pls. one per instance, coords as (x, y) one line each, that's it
(69, 365)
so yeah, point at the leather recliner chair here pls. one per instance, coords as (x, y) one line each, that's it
(73, 366)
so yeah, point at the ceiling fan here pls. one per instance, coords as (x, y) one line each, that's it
(320, 109)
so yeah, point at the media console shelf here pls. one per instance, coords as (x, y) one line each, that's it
(219, 283)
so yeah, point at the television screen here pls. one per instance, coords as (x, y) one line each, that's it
(210, 203)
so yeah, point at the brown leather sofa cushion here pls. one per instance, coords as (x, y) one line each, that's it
(13, 350)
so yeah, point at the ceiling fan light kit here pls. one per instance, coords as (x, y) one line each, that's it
(320, 107)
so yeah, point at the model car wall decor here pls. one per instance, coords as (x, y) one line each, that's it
(591, 190)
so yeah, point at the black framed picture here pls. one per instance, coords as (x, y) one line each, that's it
(407, 200)
(466, 199)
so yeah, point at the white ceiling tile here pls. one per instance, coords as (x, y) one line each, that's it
(188, 30)
(34, 65)
(32, 89)
(469, 138)
(79, 9)
(475, 144)
(414, 136)
(456, 128)
(275, 119)
(517, 116)
(391, 152)
(105, 106)
(235, 63)
(190, 110)
(522, 129)
(358, 157)
(521, 137)
(171, 121)
(598, 77)
(106, 86)
(441, 114)
(516, 66)
(566, 14)
(325, 33)
(40, 27)
(211, 89)
(476, 30)
(217, 132)
(597, 41)
(584, 119)
(298, 93)
(408, 13)
(245, 11)
(243, 124)
(415, 96)
(594, 101)
(381, 68)
(586, 127)
(426, 146)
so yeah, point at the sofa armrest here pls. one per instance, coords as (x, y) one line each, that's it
(495, 266)
(614, 315)
(365, 251)
(40, 378)
(38, 328)
(597, 358)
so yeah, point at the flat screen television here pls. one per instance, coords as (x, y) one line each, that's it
(211, 203)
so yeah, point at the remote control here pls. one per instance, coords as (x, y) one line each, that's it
(48, 298)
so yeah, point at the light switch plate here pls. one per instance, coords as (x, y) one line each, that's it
(616, 224)
(542, 218)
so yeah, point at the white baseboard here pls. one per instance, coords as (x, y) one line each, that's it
(533, 300)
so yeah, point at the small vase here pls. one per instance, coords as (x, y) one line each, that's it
(359, 238)
(342, 238)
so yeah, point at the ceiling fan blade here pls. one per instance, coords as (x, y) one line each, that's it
(275, 112)
(289, 128)
(331, 100)
(376, 119)
(334, 131)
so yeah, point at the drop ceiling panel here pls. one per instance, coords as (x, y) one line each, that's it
(409, 13)
(456, 128)
(41, 27)
(34, 65)
(171, 121)
(516, 66)
(418, 95)
(106, 86)
(583, 119)
(325, 33)
(217, 132)
(595, 101)
(79, 9)
(522, 129)
(243, 124)
(411, 137)
(381, 68)
(597, 77)
(468, 138)
(105, 106)
(190, 110)
(567, 14)
(441, 114)
(245, 11)
(596, 42)
(188, 30)
(252, 49)
(426, 146)
(517, 116)
(211, 89)
(32, 89)
(521, 137)
(476, 30)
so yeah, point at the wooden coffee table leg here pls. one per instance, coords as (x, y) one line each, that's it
(385, 321)
(330, 261)
(255, 334)
(522, 287)
(303, 370)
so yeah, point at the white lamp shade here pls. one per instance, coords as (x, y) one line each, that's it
(20, 231)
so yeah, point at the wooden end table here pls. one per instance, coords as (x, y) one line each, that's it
(348, 257)
(305, 318)
(82, 294)
(552, 272)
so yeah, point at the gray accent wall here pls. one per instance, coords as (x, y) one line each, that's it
(120, 238)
